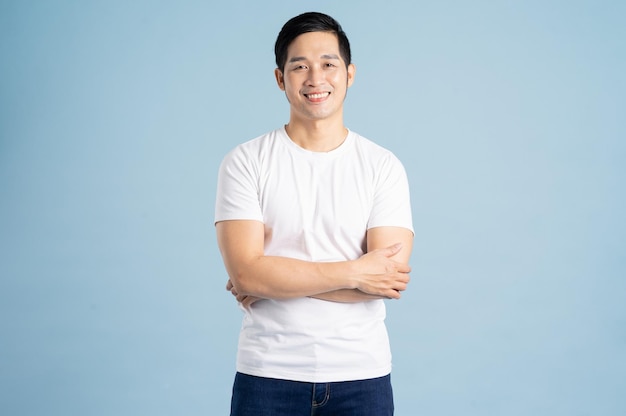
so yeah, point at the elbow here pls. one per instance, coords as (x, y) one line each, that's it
(248, 278)
(243, 283)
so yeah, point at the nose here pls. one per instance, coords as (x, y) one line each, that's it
(316, 76)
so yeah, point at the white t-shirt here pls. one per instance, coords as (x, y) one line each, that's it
(315, 206)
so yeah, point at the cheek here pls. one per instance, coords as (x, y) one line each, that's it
(289, 86)
(340, 80)
(290, 91)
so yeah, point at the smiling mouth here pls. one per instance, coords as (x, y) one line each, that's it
(317, 95)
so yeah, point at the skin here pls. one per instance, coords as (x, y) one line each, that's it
(314, 65)
(315, 81)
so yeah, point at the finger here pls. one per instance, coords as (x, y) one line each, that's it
(403, 277)
(393, 250)
(403, 267)
(247, 302)
(392, 294)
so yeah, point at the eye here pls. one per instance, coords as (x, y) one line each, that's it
(329, 65)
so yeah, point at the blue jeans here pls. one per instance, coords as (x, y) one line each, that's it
(260, 396)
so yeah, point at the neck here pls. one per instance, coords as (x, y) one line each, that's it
(317, 135)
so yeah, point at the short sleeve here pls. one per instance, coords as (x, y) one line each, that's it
(237, 196)
(392, 201)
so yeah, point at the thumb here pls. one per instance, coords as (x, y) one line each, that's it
(393, 249)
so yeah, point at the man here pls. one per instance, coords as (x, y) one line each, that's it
(314, 226)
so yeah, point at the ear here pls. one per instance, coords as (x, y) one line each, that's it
(351, 73)
(280, 79)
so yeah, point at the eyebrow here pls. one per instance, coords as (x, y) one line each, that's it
(302, 58)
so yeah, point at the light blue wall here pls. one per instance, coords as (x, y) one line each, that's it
(508, 115)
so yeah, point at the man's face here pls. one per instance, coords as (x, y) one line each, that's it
(315, 79)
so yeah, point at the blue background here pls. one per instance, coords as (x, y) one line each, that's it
(509, 118)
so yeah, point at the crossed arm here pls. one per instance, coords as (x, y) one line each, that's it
(380, 273)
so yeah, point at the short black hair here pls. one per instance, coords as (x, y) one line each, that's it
(305, 23)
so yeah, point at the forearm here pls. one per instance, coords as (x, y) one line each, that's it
(274, 277)
(347, 296)
(252, 273)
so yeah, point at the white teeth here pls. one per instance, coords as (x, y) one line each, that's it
(316, 96)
